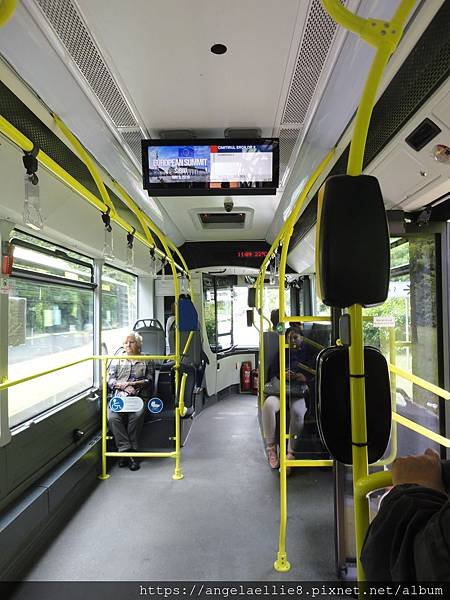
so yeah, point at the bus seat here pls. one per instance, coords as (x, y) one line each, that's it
(318, 332)
(153, 337)
(333, 393)
(352, 249)
(271, 348)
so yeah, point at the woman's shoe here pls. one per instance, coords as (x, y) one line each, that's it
(272, 457)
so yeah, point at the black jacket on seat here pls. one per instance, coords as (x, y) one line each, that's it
(409, 539)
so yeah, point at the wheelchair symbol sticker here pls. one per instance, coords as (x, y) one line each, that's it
(155, 405)
(116, 404)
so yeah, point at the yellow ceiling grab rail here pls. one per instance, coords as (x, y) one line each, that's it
(88, 162)
(7, 9)
(17, 137)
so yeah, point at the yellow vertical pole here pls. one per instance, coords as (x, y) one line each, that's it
(393, 378)
(359, 428)
(177, 474)
(282, 563)
(104, 474)
(261, 375)
(384, 37)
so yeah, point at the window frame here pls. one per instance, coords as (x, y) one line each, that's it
(49, 279)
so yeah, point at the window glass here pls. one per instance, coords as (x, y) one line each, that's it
(410, 339)
(243, 335)
(49, 325)
(119, 307)
(224, 313)
(52, 260)
(217, 310)
(209, 310)
(271, 301)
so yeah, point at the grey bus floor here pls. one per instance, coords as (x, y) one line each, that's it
(220, 522)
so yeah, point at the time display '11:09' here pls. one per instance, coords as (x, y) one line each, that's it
(251, 253)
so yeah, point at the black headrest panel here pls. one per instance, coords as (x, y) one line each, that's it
(333, 389)
(352, 243)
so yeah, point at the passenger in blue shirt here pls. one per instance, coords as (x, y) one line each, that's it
(300, 373)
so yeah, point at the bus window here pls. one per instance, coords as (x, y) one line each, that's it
(412, 309)
(50, 324)
(217, 311)
(243, 335)
(119, 292)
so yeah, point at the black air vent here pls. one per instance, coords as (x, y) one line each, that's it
(215, 218)
(422, 134)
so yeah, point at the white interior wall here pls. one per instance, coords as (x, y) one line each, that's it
(146, 289)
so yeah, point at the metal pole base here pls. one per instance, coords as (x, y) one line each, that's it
(103, 477)
(178, 474)
(282, 564)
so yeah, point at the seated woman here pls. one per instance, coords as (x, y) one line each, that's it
(300, 358)
(127, 377)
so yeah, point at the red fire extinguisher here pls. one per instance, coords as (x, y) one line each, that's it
(246, 369)
(254, 380)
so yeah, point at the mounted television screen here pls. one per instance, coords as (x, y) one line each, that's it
(209, 167)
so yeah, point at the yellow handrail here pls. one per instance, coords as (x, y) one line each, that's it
(181, 395)
(7, 8)
(88, 162)
(424, 431)
(431, 387)
(13, 134)
(291, 220)
(7, 384)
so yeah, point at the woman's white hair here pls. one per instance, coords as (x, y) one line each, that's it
(137, 337)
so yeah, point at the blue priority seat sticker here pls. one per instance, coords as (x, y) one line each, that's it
(126, 404)
(155, 405)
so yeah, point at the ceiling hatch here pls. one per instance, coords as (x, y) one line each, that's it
(214, 218)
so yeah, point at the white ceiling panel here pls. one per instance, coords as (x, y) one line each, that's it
(181, 210)
(162, 58)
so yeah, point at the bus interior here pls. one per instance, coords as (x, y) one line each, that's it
(89, 255)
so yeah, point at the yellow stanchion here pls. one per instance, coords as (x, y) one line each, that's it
(180, 411)
(384, 36)
(282, 564)
(104, 475)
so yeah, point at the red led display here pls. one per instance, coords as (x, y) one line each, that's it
(251, 253)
